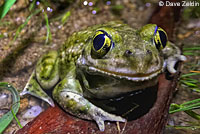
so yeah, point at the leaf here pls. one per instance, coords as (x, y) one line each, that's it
(8, 117)
(5, 7)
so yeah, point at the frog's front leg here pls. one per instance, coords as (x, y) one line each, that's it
(44, 77)
(68, 93)
(172, 60)
(172, 55)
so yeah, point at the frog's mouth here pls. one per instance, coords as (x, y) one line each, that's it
(128, 76)
(117, 71)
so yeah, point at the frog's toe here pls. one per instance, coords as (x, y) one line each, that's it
(33, 88)
(100, 124)
(182, 58)
(45, 98)
(102, 116)
(171, 62)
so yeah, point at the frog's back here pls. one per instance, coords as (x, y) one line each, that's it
(74, 45)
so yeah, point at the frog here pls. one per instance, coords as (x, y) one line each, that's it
(102, 62)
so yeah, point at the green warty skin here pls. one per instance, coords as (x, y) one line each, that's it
(77, 72)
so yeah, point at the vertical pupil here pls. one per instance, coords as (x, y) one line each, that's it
(98, 41)
(157, 44)
(163, 38)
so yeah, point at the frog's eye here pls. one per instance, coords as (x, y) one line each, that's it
(102, 43)
(160, 38)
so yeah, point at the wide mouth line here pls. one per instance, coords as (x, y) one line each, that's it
(126, 75)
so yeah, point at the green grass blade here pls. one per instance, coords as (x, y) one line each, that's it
(14, 115)
(189, 74)
(191, 53)
(5, 7)
(185, 108)
(189, 80)
(189, 84)
(19, 29)
(196, 89)
(48, 36)
(65, 17)
(191, 102)
(1, 36)
(190, 105)
(191, 48)
(193, 114)
(32, 5)
(8, 117)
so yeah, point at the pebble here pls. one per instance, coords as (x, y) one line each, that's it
(33, 112)
(23, 104)
(5, 99)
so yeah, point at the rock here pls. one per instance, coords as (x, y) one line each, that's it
(33, 112)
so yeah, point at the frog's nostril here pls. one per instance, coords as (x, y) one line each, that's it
(128, 53)
(149, 52)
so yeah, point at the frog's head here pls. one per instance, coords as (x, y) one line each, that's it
(123, 52)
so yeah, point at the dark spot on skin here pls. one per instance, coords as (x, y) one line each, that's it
(149, 52)
(34, 77)
(128, 53)
(157, 62)
(59, 85)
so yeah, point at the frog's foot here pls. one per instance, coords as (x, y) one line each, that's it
(100, 116)
(171, 61)
(33, 88)
(77, 105)
(39, 94)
